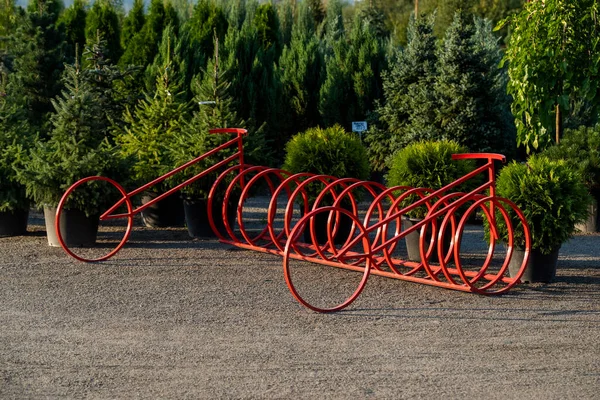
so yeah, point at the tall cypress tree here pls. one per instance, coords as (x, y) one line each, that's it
(301, 75)
(72, 22)
(132, 23)
(207, 18)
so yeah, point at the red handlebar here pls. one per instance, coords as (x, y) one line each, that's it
(484, 156)
(238, 131)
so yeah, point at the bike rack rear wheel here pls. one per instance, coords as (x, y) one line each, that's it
(103, 217)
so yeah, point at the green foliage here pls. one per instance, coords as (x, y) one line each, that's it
(72, 22)
(428, 164)
(473, 107)
(253, 80)
(551, 195)
(331, 151)
(212, 95)
(301, 66)
(553, 57)
(170, 50)
(103, 19)
(151, 128)
(267, 25)
(78, 147)
(133, 23)
(455, 91)
(580, 148)
(38, 49)
(352, 76)
(15, 141)
(197, 36)
(410, 103)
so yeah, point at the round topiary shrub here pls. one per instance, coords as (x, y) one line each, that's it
(552, 196)
(331, 151)
(428, 164)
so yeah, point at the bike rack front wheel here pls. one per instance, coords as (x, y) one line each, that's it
(293, 249)
(105, 216)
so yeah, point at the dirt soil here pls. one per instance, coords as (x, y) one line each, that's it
(171, 317)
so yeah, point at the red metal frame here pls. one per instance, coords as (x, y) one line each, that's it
(370, 231)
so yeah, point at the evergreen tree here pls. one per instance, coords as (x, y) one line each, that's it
(103, 17)
(301, 74)
(72, 22)
(267, 26)
(132, 23)
(285, 13)
(317, 11)
(169, 49)
(215, 109)
(197, 36)
(258, 91)
(152, 127)
(353, 71)
(8, 20)
(110, 84)
(143, 46)
(410, 102)
(38, 50)
(15, 140)
(78, 146)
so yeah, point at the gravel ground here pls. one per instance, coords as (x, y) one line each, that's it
(170, 317)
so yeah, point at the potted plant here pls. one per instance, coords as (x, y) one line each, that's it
(426, 164)
(553, 198)
(331, 151)
(78, 146)
(15, 141)
(580, 148)
(145, 141)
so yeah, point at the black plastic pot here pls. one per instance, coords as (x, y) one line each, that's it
(320, 222)
(76, 228)
(13, 223)
(412, 240)
(540, 267)
(196, 217)
(167, 212)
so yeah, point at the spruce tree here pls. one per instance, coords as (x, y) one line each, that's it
(103, 17)
(152, 126)
(285, 12)
(78, 146)
(214, 108)
(473, 107)
(410, 102)
(15, 140)
(38, 49)
(170, 49)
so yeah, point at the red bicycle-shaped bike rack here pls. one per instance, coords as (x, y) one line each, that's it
(353, 234)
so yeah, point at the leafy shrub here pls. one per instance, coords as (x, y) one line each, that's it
(428, 164)
(551, 195)
(331, 151)
(580, 148)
